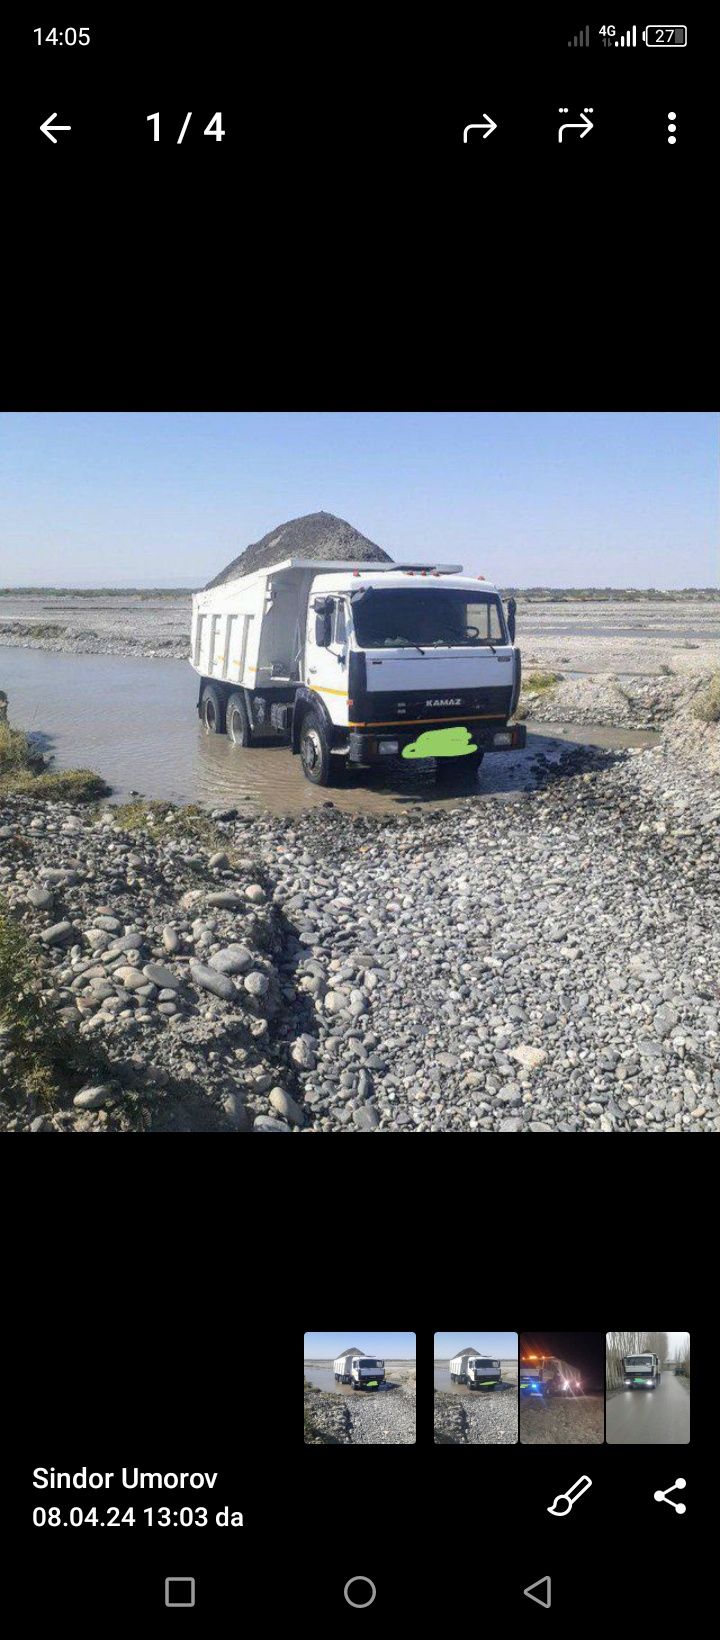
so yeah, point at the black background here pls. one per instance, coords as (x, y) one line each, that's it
(342, 249)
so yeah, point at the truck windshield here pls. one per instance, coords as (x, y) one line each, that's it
(368, 1363)
(638, 1360)
(426, 617)
(487, 1363)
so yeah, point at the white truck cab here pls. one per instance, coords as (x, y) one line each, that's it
(362, 1371)
(477, 1371)
(641, 1371)
(360, 663)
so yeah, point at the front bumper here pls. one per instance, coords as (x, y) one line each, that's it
(366, 745)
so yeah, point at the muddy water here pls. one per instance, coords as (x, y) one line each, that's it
(135, 723)
(323, 1377)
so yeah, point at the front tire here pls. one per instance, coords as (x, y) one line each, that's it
(315, 754)
(212, 710)
(237, 722)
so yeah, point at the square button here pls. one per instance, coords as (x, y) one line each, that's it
(179, 1591)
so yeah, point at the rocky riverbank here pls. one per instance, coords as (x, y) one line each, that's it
(629, 702)
(384, 1417)
(478, 1419)
(541, 961)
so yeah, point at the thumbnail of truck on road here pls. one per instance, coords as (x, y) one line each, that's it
(641, 1372)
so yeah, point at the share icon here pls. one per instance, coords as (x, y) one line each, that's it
(662, 1497)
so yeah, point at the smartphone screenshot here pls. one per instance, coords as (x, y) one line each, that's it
(359, 774)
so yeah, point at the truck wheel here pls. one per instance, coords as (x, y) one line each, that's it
(315, 754)
(236, 720)
(212, 710)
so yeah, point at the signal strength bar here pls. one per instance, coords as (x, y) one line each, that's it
(581, 39)
(629, 39)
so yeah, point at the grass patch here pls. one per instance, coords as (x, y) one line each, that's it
(706, 706)
(42, 1056)
(23, 774)
(63, 786)
(170, 820)
(535, 682)
(16, 753)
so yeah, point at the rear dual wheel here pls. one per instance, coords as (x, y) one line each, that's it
(237, 721)
(212, 710)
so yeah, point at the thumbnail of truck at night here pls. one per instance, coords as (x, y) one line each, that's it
(547, 1375)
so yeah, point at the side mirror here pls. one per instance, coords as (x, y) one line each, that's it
(511, 608)
(323, 629)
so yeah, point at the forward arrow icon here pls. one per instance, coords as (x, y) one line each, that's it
(486, 129)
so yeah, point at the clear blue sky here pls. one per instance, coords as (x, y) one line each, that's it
(527, 499)
(502, 1345)
(388, 1346)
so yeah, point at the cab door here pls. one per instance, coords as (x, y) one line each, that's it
(327, 654)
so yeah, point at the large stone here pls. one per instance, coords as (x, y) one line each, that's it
(97, 939)
(132, 978)
(210, 980)
(285, 1105)
(256, 983)
(366, 1118)
(58, 934)
(112, 925)
(528, 1057)
(269, 1124)
(170, 939)
(335, 1002)
(302, 1053)
(236, 1112)
(41, 898)
(161, 976)
(233, 959)
(254, 893)
(91, 1098)
(226, 899)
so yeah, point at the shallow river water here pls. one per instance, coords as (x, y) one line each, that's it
(135, 723)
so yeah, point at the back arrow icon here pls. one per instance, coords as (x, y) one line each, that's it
(486, 129)
(47, 127)
(583, 127)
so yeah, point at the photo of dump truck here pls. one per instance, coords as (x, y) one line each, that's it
(361, 1371)
(641, 1371)
(546, 1375)
(477, 1371)
(356, 663)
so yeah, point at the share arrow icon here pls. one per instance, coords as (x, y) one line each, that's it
(488, 127)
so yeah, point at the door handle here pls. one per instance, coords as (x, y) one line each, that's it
(312, 669)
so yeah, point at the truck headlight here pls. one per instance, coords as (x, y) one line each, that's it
(502, 738)
(388, 746)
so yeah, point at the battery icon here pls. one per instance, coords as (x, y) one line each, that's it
(665, 34)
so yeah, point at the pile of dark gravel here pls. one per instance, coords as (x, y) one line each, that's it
(316, 535)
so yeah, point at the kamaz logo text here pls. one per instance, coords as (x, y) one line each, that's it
(443, 703)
